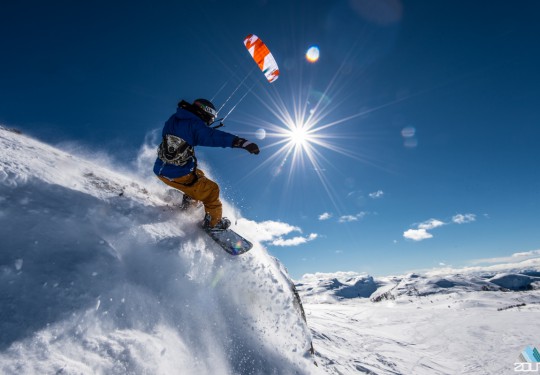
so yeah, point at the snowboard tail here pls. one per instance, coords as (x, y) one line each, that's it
(230, 241)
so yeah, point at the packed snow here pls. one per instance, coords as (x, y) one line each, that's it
(100, 274)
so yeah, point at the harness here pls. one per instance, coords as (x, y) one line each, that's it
(176, 151)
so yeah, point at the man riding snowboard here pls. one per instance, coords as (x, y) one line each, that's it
(176, 164)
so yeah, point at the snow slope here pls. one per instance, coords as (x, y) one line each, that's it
(99, 274)
(472, 323)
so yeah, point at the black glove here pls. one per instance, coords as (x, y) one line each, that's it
(246, 145)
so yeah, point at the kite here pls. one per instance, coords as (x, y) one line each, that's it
(262, 56)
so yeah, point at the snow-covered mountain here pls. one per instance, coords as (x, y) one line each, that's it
(99, 274)
(320, 288)
(466, 323)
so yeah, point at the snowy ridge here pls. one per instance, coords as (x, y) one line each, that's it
(99, 274)
(434, 323)
(322, 288)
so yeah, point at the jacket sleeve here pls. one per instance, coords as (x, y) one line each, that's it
(206, 136)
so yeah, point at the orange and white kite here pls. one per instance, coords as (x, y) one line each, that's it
(262, 56)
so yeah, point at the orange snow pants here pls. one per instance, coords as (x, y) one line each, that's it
(204, 190)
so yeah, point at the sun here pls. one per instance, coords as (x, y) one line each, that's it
(298, 135)
(305, 138)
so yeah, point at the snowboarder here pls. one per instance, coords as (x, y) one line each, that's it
(176, 164)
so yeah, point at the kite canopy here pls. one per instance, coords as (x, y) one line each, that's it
(262, 56)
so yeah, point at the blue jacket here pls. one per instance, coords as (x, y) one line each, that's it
(194, 131)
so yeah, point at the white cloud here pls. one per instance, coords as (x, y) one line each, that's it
(351, 218)
(463, 219)
(421, 233)
(515, 263)
(325, 216)
(347, 218)
(295, 241)
(532, 253)
(512, 266)
(354, 192)
(516, 257)
(417, 234)
(267, 231)
(430, 224)
(273, 232)
(376, 194)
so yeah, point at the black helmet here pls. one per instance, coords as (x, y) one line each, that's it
(205, 110)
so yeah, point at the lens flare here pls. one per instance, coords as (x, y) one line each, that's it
(312, 54)
(409, 140)
(260, 134)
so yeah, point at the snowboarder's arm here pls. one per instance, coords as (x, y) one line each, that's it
(206, 136)
(216, 138)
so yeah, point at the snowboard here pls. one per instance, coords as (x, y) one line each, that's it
(230, 241)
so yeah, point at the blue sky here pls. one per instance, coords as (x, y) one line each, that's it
(426, 149)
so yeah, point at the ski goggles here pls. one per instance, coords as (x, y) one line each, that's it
(210, 113)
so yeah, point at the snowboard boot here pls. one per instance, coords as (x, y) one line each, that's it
(188, 203)
(222, 224)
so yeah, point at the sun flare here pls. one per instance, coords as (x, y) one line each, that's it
(305, 135)
(298, 135)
